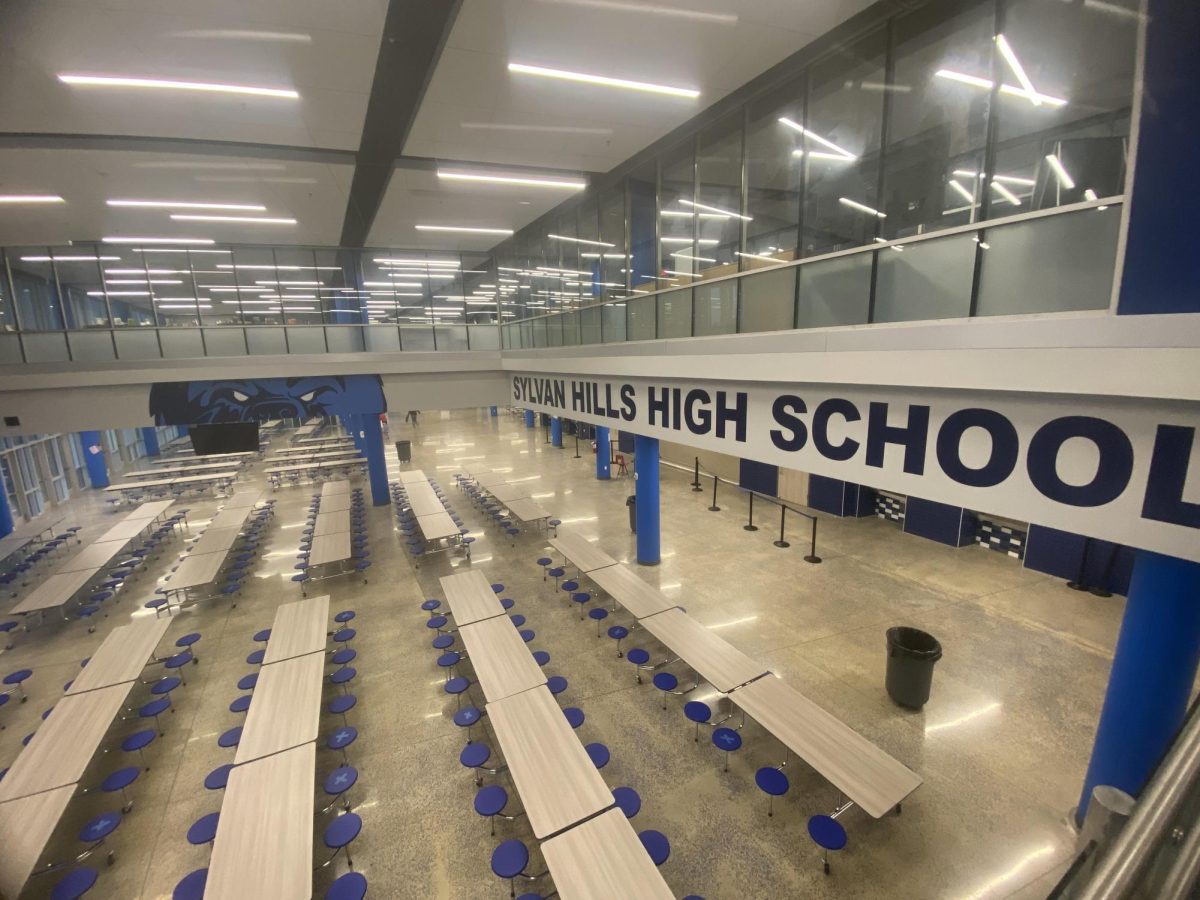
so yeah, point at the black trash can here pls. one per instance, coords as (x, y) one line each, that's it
(911, 656)
(404, 451)
(631, 502)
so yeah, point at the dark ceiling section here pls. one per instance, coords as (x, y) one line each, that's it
(413, 36)
(143, 144)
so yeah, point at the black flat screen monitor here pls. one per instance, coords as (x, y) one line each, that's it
(236, 437)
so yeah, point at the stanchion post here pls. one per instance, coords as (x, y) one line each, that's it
(812, 550)
(782, 516)
(696, 478)
(714, 507)
(577, 440)
(1080, 583)
(750, 526)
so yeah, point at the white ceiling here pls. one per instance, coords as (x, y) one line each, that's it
(312, 193)
(327, 52)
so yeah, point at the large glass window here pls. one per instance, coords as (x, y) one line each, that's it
(719, 216)
(773, 176)
(676, 199)
(36, 292)
(643, 229)
(613, 259)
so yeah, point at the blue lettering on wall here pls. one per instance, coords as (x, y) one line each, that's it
(834, 406)
(1112, 473)
(1168, 473)
(1005, 447)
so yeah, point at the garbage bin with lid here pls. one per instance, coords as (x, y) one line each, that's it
(404, 451)
(911, 656)
(631, 502)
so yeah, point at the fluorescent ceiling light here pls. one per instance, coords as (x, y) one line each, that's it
(553, 271)
(119, 293)
(685, 274)
(252, 220)
(121, 81)
(966, 195)
(165, 250)
(840, 152)
(1089, 194)
(1006, 193)
(71, 259)
(758, 256)
(679, 254)
(861, 207)
(1009, 179)
(717, 209)
(184, 306)
(513, 179)
(158, 240)
(703, 242)
(1010, 89)
(182, 204)
(896, 247)
(1060, 171)
(217, 289)
(1017, 69)
(603, 80)
(683, 213)
(652, 10)
(548, 129)
(418, 262)
(464, 229)
(142, 281)
(145, 271)
(575, 240)
(31, 198)
(301, 283)
(285, 37)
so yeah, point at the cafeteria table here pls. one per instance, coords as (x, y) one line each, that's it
(215, 457)
(331, 522)
(412, 476)
(177, 469)
(264, 841)
(93, 556)
(26, 825)
(508, 492)
(243, 499)
(28, 532)
(121, 656)
(716, 660)
(582, 553)
(503, 664)
(470, 597)
(329, 548)
(285, 710)
(54, 590)
(602, 859)
(865, 774)
(301, 627)
(333, 488)
(635, 596)
(335, 503)
(527, 510)
(438, 526)
(424, 503)
(556, 779)
(215, 479)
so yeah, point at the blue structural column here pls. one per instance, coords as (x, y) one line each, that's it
(556, 431)
(603, 453)
(93, 455)
(1154, 667)
(529, 418)
(6, 516)
(492, 411)
(645, 456)
(150, 439)
(368, 426)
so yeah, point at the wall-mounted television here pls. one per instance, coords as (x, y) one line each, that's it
(236, 437)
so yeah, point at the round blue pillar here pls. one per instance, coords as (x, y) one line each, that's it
(1154, 667)
(150, 439)
(603, 453)
(645, 475)
(492, 411)
(371, 433)
(529, 418)
(556, 431)
(6, 516)
(93, 456)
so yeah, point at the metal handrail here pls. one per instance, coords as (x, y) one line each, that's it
(1118, 872)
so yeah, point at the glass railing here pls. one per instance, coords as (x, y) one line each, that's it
(1050, 261)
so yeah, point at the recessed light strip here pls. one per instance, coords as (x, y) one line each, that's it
(716, 209)
(123, 81)
(604, 80)
(465, 229)
(251, 220)
(861, 207)
(186, 204)
(31, 198)
(575, 240)
(513, 179)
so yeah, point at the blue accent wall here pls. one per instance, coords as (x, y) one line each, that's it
(1059, 553)
(938, 522)
(839, 498)
(760, 477)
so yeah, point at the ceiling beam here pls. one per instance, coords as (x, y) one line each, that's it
(414, 33)
(132, 143)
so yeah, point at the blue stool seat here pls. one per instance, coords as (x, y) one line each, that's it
(179, 660)
(255, 658)
(599, 614)
(598, 753)
(230, 738)
(351, 886)
(343, 675)
(697, 712)
(727, 739)
(467, 716)
(541, 657)
(120, 779)
(557, 684)
(188, 639)
(100, 827)
(431, 605)
(203, 830)
(342, 738)
(507, 603)
(628, 801)
(342, 704)
(656, 845)
(165, 685)
(474, 755)
(218, 777)
(518, 620)
(442, 641)
(241, 704)
(557, 572)
(827, 833)
(76, 883)
(262, 636)
(155, 708)
(436, 622)
(498, 588)
(247, 682)
(510, 858)
(638, 656)
(574, 716)
(344, 616)
(139, 740)
(342, 830)
(491, 800)
(771, 781)
(527, 634)
(570, 586)
(448, 659)
(191, 886)
(341, 780)
(457, 685)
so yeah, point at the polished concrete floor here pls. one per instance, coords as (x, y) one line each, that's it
(1002, 744)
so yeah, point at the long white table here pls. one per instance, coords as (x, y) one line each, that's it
(527, 510)
(285, 710)
(508, 492)
(178, 468)
(582, 553)
(27, 532)
(300, 627)
(243, 499)
(309, 466)
(214, 478)
(502, 663)
(438, 526)
(602, 859)
(635, 596)
(314, 456)
(470, 597)
(412, 476)
(558, 784)
(329, 548)
(121, 656)
(263, 847)
(716, 660)
(26, 825)
(215, 457)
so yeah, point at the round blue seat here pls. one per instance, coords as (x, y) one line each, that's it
(18, 678)
(497, 588)
(241, 704)
(557, 684)
(191, 886)
(598, 753)
(187, 640)
(179, 660)
(474, 755)
(203, 830)
(665, 681)
(448, 660)
(773, 783)
(570, 586)
(436, 622)
(656, 845)
(344, 616)
(527, 634)
(351, 886)
(154, 708)
(340, 780)
(343, 675)
(230, 738)
(557, 572)
(541, 657)
(828, 834)
(544, 561)
(120, 779)
(507, 603)
(442, 641)
(431, 605)
(457, 685)
(218, 777)
(342, 704)
(343, 635)
(75, 884)
(247, 682)
(342, 738)
(728, 740)
(598, 615)
(697, 711)
(138, 740)
(342, 830)
(255, 658)
(510, 858)
(343, 656)
(638, 656)
(518, 620)
(467, 716)
(165, 685)
(491, 800)
(262, 636)
(628, 800)
(99, 828)
(574, 716)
